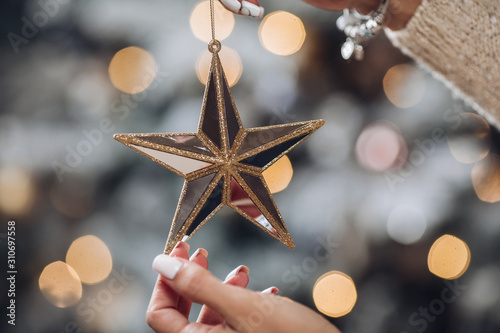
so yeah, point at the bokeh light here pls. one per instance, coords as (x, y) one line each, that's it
(483, 293)
(17, 191)
(200, 21)
(60, 284)
(91, 259)
(132, 70)
(279, 175)
(381, 147)
(406, 224)
(74, 197)
(335, 294)
(282, 33)
(470, 141)
(449, 257)
(404, 85)
(231, 63)
(486, 178)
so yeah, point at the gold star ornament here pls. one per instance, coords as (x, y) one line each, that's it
(222, 163)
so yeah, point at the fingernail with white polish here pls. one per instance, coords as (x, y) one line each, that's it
(198, 252)
(237, 270)
(272, 290)
(167, 266)
(179, 243)
(232, 5)
(250, 9)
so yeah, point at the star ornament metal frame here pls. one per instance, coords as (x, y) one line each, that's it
(222, 163)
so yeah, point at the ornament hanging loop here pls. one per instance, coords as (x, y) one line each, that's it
(214, 46)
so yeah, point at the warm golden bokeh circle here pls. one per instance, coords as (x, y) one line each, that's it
(486, 178)
(60, 284)
(282, 33)
(404, 85)
(449, 257)
(91, 259)
(17, 191)
(470, 141)
(231, 63)
(200, 21)
(132, 70)
(335, 294)
(279, 175)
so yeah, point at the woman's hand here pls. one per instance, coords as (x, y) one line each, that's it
(399, 12)
(227, 306)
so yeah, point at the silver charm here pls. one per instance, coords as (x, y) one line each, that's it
(360, 28)
(347, 49)
(359, 52)
(350, 48)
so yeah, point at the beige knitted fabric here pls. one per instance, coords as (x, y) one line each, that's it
(459, 41)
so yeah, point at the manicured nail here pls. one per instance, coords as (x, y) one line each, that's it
(181, 243)
(236, 271)
(272, 290)
(232, 5)
(250, 9)
(199, 252)
(167, 266)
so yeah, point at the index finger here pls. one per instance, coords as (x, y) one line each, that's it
(238, 277)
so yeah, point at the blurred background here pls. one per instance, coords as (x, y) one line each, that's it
(387, 203)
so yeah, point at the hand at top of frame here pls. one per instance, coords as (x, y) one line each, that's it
(400, 11)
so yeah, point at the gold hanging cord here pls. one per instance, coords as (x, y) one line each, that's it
(214, 45)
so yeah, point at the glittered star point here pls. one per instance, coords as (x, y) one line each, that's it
(222, 163)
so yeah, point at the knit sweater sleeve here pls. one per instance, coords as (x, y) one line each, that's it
(459, 42)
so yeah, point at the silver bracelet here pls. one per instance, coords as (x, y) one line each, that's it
(360, 28)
